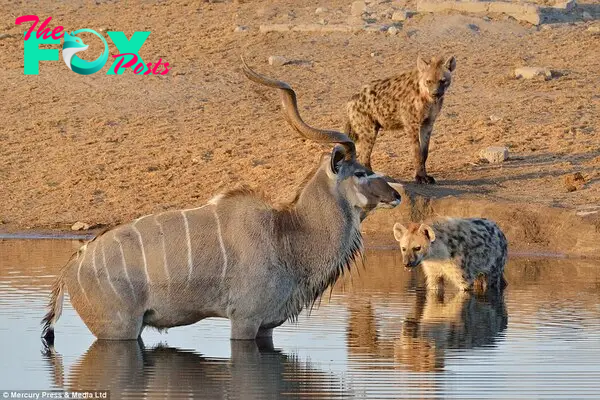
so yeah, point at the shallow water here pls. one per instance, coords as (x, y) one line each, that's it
(378, 336)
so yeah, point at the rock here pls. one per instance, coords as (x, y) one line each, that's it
(399, 15)
(321, 10)
(587, 16)
(494, 155)
(574, 181)
(473, 27)
(277, 61)
(5, 35)
(241, 28)
(532, 72)
(392, 30)
(495, 118)
(80, 226)
(594, 29)
(358, 8)
(567, 5)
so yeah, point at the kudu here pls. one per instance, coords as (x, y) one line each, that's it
(237, 257)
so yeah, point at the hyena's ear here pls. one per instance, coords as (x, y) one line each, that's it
(428, 231)
(422, 65)
(450, 63)
(399, 231)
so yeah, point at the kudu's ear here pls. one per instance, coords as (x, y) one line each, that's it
(450, 63)
(428, 231)
(399, 231)
(337, 156)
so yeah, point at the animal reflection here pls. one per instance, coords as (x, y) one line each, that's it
(434, 325)
(128, 369)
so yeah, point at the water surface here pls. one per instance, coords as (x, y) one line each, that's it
(378, 335)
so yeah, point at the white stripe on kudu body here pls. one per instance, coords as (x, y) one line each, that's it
(108, 278)
(189, 246)
(222, 244)
(164, 252)
(139, 235)
(125, 265)
(246, 260)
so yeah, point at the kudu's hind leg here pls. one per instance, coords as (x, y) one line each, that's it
(124, 327)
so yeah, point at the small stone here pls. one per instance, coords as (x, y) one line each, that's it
(321, 10)
(494, 155)
(412, 32)
(568, 5)
(5, 35)
(473, 27)
(241, 28)
(277, 61)
(594, 29)
(586, 16)
(399, 15)
(487, 19)
(574, 181)
(80, 226)
(495, 118)
(532, 72)
(392, 30)
(358, 8)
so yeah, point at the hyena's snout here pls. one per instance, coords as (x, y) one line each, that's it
(411, 260)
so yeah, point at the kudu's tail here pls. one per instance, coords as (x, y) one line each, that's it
(55, 304)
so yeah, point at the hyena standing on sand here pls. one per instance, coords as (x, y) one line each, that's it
(455, 250)
(410, 102)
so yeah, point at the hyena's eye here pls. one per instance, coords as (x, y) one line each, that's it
(360, 174)
(404, 249)
(417, 248)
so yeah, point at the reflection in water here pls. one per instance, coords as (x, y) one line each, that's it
(254, 371)
(380, 336)
(434, 325)
(465, 321)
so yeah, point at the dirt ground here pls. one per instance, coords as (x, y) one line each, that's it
(105, 149)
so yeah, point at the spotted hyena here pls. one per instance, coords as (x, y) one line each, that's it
(455, 250)
(410, 101)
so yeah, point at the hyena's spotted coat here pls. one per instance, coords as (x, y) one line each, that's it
(410, 101)
(455, 250)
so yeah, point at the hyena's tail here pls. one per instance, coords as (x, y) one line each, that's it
(55, 304)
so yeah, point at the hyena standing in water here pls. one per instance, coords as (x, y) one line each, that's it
(455, 250)
(410, 102)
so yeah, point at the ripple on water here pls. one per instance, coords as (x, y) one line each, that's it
(380, 336)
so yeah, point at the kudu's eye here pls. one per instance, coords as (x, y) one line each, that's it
(404, 249)
(417, 248)
(360, 174)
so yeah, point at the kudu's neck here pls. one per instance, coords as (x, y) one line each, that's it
(325, 237)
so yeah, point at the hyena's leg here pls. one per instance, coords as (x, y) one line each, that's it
(413, 131)
(420, 137)
(363, 130)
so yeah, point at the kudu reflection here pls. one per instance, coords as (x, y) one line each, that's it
(255, 371)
